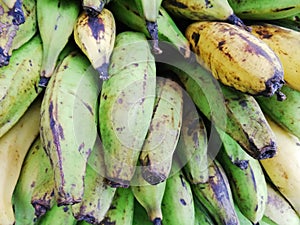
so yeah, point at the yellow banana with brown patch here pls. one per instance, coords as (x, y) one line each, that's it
(236, 57)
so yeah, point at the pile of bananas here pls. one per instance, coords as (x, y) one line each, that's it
(173, 112)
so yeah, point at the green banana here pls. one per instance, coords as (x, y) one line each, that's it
(287, 23)
(94, 7)
(29, 28)
(216, 195)
(122, 208)
(247, 180)
(126, 105)
(242, 218)
(192, 145)
(69, 124)
(198, 10)
(95, 36)
(264, 10)
(235, 112)
(11, 17)
(19, 83)
(286, 113)
(126, 12)
(149, 196)
(14, 146)
(278, 209)
(61, 215)
(178, 203)
(162, 138)
(140, 215)
(202, 216)
(55, 23)
(35, 166)
(267, 221)
(98, 196)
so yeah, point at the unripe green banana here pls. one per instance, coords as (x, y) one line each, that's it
(287, 112)
(192, 145)
(35, 165)
(126, 12)
(242, 218)
(246, 179)
(29, 28)
(126, 105)
(161, 141)
(178, 203)
(95, 36)
(98, 196)
(58, 215)
(140, 215)
(19, 83)
(149, 196)
(69, 124)
(55, 23)
(202, 216)
(236, 58)
(199, 10)
(264, 10)
(14, 146)
(267, 221)
(122, 208)
(278, 209)
(94, 7)
(216, 195)
(286, 45)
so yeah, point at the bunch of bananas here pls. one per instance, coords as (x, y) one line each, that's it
(173, 112)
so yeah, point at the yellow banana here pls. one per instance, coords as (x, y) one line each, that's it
(14, 146)
(236, 57)
(95, 36)
(281, 168)
(286, 44)
(161, 141)
(126, 105)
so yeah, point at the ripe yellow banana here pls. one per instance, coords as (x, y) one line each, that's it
(14, 146)
(95, 36)
(286, 44)
(69, 124)
(281, 168)
(236, 57)
(19, 83)
(126, 105)
(55, 23)
(161, 141)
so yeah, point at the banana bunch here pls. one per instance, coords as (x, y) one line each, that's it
(149, 112)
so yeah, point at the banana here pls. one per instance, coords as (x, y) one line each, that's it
(216, 195)
(11, 17)
(126, 12)
(266, 221)
(122, 208)
(27, 29)
(264, 10)
(242, 218)
(236, 58)
(247, 180)
(55, 23)
(19, 83)
(95, 36)
(284, 42)
(126, 105)
(35, 165)
(285, 113)
(178, 203)
(198, 10)
(281, 168)
(244, 122)
(98, 196)
(58, 215)
(14, 146)
(149, 196)
(292, 22)
(94, 7)
(192, 145)
(162, 138)
(69, 124)
(140, 215)
(202, 216)
(278, 209)
(149, 10)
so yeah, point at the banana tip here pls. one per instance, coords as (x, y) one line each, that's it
(157, 221)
